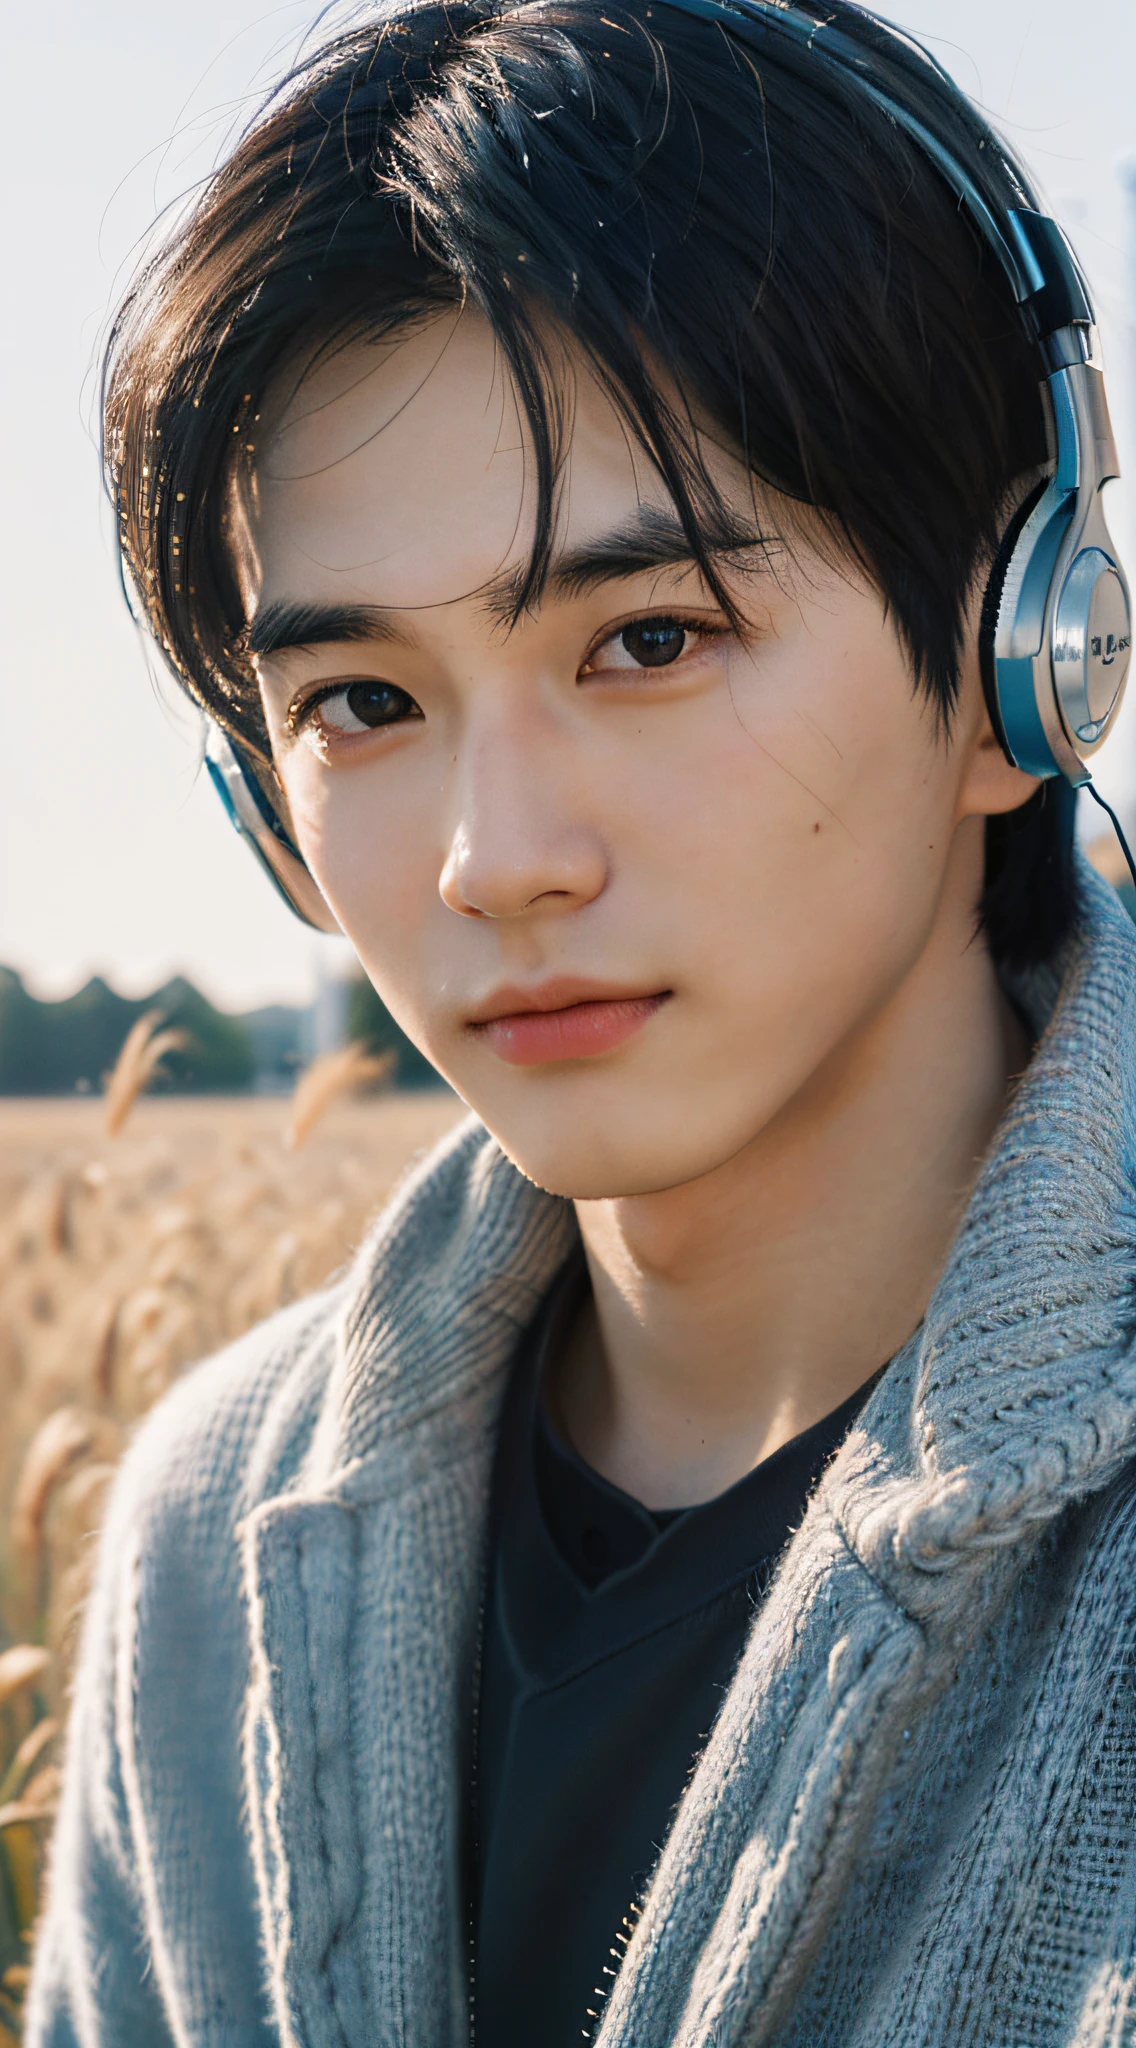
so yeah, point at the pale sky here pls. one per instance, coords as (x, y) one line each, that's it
(114, 854)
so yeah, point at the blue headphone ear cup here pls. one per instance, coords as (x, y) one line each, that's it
(250, 810)
(991, 606)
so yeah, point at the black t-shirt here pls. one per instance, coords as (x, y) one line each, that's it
(610, 1635)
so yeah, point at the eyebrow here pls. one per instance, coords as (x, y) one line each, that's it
(650, 539)
(280, 627)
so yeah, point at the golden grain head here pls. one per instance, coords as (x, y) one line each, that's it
(68, 1435)
(24, 1813)
(31, 1749)
(102, 1337)
(143, 1050)
(20, 1667)
(329, 1076)
(42, 1790)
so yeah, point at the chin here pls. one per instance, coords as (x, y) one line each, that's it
(613, 1158)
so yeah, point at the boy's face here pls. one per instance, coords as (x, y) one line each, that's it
(705, 861)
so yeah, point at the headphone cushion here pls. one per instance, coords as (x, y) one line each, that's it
(992, 605)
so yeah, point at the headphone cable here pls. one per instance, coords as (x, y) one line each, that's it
(1094, 792)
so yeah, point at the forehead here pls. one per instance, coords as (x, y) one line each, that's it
(400, 473)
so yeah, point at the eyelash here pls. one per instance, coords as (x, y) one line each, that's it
(706, 630)
(301, 714)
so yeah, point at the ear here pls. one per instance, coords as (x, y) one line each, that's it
(990, 784)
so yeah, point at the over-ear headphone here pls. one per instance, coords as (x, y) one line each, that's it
(1055, 637)
(240, 784)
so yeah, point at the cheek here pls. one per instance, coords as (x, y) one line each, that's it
(367, 836)
(808, 798)
(801, 859)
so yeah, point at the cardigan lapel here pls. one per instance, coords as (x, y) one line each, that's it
(301, 1578)
(1017, 1398)
(362, 1590)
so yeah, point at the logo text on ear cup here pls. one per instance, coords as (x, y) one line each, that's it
(1111, 648)
(1092, 639)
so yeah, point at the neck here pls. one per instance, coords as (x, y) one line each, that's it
(732, 1312)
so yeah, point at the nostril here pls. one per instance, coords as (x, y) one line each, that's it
(506, 862)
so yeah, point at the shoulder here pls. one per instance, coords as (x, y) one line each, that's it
(233, 1428)
(453, 1264)
(237, 1428)
(241, 1419)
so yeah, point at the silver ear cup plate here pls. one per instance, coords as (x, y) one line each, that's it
(1033, 731)
(1092, 642)
(1062, 642)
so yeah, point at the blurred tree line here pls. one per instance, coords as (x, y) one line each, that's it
(369, 1019)
(68, 1047)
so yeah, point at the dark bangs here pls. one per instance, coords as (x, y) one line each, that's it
(737, 224)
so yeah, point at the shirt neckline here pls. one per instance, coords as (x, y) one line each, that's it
(601, 1533)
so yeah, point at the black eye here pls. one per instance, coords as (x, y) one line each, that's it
(654, 642)
(377, 703)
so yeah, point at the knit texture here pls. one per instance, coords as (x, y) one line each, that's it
(915, 1819)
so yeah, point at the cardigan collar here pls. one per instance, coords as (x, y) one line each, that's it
(456, 1269)
(1026, 1392)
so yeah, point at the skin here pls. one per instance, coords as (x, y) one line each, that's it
(770, 834)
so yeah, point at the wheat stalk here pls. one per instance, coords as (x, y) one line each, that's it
(143, 1049)
(59, 1443)
(330, 1075)
(29, 1752)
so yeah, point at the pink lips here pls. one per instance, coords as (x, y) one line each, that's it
(547, 1025)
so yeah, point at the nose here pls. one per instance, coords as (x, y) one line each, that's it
(522, 838)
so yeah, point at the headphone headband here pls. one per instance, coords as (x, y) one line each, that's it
(1040, 267)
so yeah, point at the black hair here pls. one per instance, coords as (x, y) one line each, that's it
(738, 224)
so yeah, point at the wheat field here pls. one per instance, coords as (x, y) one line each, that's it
(122, 1260)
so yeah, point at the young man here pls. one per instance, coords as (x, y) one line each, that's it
(678, 1588)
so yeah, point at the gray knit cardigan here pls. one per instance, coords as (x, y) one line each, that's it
(915, 1819)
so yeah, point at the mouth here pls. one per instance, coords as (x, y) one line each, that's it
(561, 1020)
